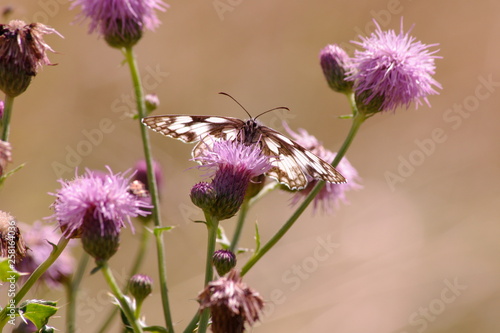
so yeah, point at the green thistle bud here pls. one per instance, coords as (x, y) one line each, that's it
(140, 286)
(223, 261)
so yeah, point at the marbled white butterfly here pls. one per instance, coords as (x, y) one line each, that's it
(292, 163)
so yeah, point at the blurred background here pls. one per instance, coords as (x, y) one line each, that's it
(416, 250)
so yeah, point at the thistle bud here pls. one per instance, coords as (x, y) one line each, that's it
(203, 195)
(140, 287)
(335, 64)
(152, 102)
(223, 261)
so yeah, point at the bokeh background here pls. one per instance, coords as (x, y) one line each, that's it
(420, 254)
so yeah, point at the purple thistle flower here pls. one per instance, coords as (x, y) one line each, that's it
(141, 173)
(121, 22)
(37, 238)
(233, 166)
(103, 198)
(393, 70)
(331, 194)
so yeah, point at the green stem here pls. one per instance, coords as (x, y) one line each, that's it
(152, 185)
(135, 268)
(56, 251)
(212, 226)
(239, 226)
(5, 120)
(72, 292)
(358, 119)
(124, 304)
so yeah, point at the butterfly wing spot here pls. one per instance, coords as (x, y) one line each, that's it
(216, 120)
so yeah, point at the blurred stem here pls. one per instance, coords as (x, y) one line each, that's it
(135, 268)
(5, 120)
(56, 252)
(72, 287)
(212, 226)
(124, 304)
(152, 185)
(358, 119)
(239, 226)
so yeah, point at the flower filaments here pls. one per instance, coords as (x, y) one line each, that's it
(95, 207)
(233, 165)
(392, 70)
(121, 22)
(22, 54)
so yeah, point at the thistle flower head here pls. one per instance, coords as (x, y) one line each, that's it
(12, 244)
(22, 54)
(392, 70)
(331, 194)
(121, 22)
(95, 207)
(37, 237)
(141, 173)
(232, 303)
(335, 64)
(233, 165)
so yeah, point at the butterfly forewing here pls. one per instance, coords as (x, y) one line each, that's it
(292, 163)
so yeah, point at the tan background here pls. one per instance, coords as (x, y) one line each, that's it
(397, 249)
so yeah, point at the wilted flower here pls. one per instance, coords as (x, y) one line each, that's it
(121, 22)
(335, 64)
(331, 194)
(37, 237)
(12, 244)
(22, 54)
(95, 207)
(233, 165)
(141, 173)
(232, 303)
(5, 156)
(392, 70)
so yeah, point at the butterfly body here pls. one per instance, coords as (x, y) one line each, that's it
(293, 165)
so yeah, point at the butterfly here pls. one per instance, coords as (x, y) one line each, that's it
(292, 164)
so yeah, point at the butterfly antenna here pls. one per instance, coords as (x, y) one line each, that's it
(277, 108)
(234, 99)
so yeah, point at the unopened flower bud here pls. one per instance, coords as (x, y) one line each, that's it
(223, 261)
(140, 286)
(152, 102)
(203, 195)
(335, 64)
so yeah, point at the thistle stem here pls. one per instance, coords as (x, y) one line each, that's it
(56, 252)
(72, 291)
(239, 226)
(135, 268)
(358, 119)
(5, 120)
(124, 304)
(212, 226)
(153, 189)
